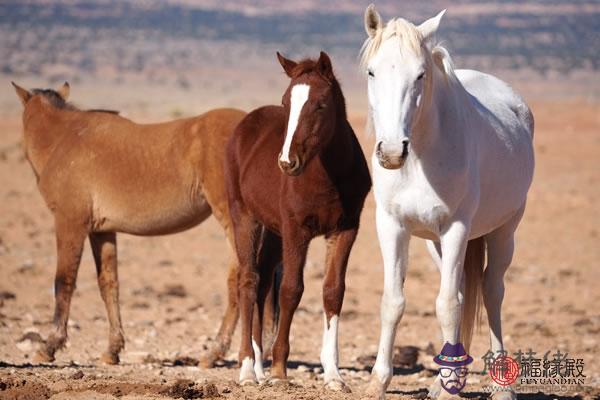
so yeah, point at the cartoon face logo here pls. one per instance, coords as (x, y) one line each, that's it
(453, 361)
(453, 379)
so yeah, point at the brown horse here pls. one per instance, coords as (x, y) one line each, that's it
(100, 173)
(321, 191)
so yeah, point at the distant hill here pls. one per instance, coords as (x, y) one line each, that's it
(187, 44)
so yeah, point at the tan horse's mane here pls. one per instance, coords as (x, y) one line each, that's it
(56, 100)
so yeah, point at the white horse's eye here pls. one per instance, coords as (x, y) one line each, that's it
(371, 73)
(421, 75)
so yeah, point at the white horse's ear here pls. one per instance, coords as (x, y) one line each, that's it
(64, 91)
(430, 27)
(372, 20)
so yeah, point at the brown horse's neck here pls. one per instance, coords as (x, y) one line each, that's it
(44, 126)
(338, 154)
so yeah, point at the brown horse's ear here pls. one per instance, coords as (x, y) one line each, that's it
(324, 66)
(23, 94)
(288, 65)
(64, 91)
(372, 20)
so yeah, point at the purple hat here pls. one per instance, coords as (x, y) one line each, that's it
(453, 355)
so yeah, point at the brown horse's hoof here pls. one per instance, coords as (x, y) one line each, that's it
(42, 357)
(110, 358)
(275, 381)
(210, 359)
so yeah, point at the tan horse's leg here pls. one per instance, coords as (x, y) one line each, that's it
(104, 248)
(229, 322)
(70, 235)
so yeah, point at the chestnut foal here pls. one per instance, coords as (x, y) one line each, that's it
(100, 173)
(321, 191)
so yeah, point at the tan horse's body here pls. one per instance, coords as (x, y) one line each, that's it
(100, 173)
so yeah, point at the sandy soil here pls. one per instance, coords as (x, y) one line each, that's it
(550, 304)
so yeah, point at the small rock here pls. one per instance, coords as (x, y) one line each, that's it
(405, 356)
(185, 361)
(210, 390)
(77, 375)
(6, 295)
(174, 291)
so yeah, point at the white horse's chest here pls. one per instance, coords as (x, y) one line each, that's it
(412, 200)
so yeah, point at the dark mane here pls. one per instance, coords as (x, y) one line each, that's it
(57, 101)
(54, 98)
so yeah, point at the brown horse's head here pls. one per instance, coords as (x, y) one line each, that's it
(312, 105)
(57, 98)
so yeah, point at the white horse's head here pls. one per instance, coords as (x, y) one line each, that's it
(398, 63)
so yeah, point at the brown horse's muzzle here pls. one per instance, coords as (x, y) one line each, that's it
(390, 157)
(292, 167)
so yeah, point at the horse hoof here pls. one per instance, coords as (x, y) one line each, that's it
(211, 357)
(375, 390)
(443, 395)
(274, 381)
(110, 358)
(338, 386)
(435, 389)
(248, 382)
(504, 395)
(41, 357)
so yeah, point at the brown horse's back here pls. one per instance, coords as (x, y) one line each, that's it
(140, 179)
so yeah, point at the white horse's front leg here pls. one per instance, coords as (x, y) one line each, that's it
(393, 240)
(449, 301)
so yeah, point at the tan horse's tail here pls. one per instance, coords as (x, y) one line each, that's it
(471, 315)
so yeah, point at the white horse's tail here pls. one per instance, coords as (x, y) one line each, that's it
(471, 315)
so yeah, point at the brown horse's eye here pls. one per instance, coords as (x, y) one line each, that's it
(321, 106)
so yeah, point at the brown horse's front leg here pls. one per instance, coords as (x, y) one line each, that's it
(339, 245)
(247, 239)
(295, 246)
(70, 236)
(104, 248)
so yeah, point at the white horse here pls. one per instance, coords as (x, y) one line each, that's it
(452, 164)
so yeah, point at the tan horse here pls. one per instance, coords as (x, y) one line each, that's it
(100, 173)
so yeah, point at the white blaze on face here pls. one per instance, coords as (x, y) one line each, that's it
(299, 96)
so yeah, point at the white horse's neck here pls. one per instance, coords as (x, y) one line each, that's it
(445, 104)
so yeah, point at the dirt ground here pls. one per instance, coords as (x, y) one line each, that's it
(173, 292)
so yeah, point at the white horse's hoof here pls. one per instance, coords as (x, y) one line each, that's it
(248, 382)
(375, 390)
(337, 386)
(447, 396)
(435, 389)
(504, 395)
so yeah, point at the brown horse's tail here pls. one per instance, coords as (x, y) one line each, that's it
(471, 315)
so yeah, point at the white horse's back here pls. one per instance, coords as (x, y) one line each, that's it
(497, 96)
(505, 147)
